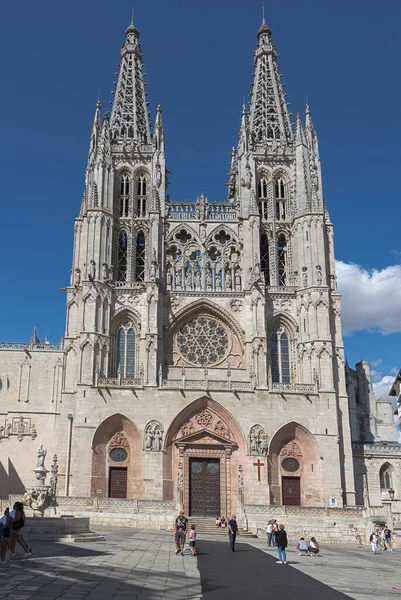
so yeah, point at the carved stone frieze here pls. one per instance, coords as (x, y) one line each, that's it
(119, 440)
(20, 427)
(291, 449)
(206, 420)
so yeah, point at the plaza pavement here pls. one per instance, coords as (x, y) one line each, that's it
(141, 564)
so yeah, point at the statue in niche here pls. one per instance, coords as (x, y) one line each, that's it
(333, 283)
(202, 207)
(188, 280)
(241, 485)
(218, 281)
(197, 280)
(296, 278)
(158, 174)
(257, 440)
(169, 278)
(153, 266)
(319, 276)
(153, 436)
(304, 276)
(208, 279)
(228, 280)
(92, 270)
(178, 280)
(237, 280)
(40, 463)
(105, 270)
(77, 277)
(180, 484)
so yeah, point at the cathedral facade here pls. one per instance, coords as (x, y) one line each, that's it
(203, 358)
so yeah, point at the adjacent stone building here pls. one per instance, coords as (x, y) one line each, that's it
(203, 358)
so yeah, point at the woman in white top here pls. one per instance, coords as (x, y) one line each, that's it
(313, 546)
(269, 533)
(373, 542)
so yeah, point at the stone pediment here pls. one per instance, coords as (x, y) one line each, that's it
(205, 436)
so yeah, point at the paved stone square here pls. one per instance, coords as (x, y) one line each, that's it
(141, 564)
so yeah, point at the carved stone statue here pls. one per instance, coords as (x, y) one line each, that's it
(180, 483)
(319, 276)
(105, 271)
(241, 485)
(178, 279)
(228, 280)
(40, 463)
(92, 270)
(158, 175)
(208, 279)
(257, 440)
(188, 280)
(77, 277)
(197, 280)
(169, 278)
(154, 436)
(304, 277)
(153, 266)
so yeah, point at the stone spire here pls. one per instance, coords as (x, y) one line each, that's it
(95, 133)
(269, 118)
(129, 117)
(316, 173)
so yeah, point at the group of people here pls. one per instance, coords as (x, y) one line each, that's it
(380, 539)
(310, 548)
(181, 530)
(11, 532)
(277, 536)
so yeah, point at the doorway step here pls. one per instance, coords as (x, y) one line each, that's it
(207, 525)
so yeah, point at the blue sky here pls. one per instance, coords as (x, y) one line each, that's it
(198, 58)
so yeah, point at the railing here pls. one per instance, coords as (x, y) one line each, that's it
(209, 384)
(318, 511)
(293, 387)
(192, 211)
(119, 382)
(29, 346)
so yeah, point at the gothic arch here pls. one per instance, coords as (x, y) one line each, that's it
(171, 236)
(286, 321)
(387, 477)
(101, 463)
(293, 440)
(222, 227)
(122, 315)
(207, 306)
(282, 172)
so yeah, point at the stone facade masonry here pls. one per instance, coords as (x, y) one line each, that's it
(198, 330)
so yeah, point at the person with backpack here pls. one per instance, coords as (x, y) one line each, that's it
(17, 528)
(5, 533)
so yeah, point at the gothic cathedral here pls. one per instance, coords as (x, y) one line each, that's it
(203, 359)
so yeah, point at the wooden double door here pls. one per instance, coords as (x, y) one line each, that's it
(291, 489)
(118, 482)
(204, 487)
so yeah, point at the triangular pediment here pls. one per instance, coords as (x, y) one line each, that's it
(204, 436)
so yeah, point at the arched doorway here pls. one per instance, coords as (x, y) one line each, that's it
(117, 469)
(204, 447)
(295, 476)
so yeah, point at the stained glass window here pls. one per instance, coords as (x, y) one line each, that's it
(290, 464)
(280, 357)
(203, 341)
(126, 350)
(118, 454)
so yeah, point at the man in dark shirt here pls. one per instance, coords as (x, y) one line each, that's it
(180, 531)
(232, 532)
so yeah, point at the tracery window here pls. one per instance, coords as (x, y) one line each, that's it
(126, 351)
(203, 341)
(280, 357)
(124, 195)
(264, 258)
(386, 480)
(140, 257)
(282, 259)
(263, 198)
(280, 198)
(141, 196)
(122, 256)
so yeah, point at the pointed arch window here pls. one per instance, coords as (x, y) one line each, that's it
(126, 350)
(386, 480)
(280, 357)
(141, 193)
(122, 257)
(280, 196)
(282, 259)
(140, 257)
(124, 195)
(264, 258)
(263, 191)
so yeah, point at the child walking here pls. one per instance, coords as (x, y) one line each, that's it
(192, 540)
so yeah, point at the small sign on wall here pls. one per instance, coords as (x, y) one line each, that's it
(333, 503)
(99, 491)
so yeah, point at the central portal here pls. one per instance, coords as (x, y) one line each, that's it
(204, 486)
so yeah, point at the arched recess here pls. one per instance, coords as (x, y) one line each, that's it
(233, 354)
(102, 464)
(124, 318)
(293, 441)
(203, 429)
(387, 478)
(282, 324)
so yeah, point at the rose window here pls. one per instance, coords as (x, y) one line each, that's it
(203, 341)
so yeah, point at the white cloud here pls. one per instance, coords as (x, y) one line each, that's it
(382, 387)
(371, 299)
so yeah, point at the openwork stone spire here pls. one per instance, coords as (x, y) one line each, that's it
(129, 117)
(269, 117)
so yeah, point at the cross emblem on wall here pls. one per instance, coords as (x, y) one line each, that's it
(258, 464)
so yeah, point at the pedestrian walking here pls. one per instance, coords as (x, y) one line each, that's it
(192, 540)
(387, 532)
(180, 532)
(358, 539)
(374, 542)
(232, 532)
(274, 531)
(17, 530)
(269, 533)
(5, 534)
(282, 543)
